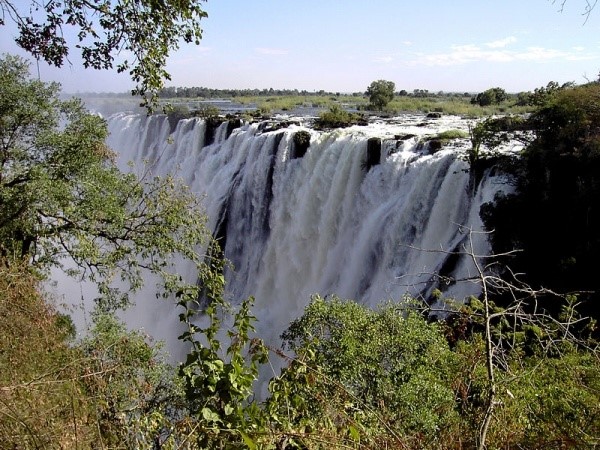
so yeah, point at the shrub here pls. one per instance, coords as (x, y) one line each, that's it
(336, 117)
(177, 113)
(207, 111)
(399, 378)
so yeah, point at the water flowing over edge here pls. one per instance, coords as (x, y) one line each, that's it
(335, 221)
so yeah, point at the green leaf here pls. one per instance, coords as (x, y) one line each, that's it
(209, 415)
(354, 433)
(248, 441)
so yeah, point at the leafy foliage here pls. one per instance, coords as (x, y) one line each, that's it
(380, 93)
(113, 388)
(149, 30)
(41, 403)
(543, 95)
(61, 194)
(398, 378)
(557, 198)
(219, 382)
(491, 96)
(336, 117)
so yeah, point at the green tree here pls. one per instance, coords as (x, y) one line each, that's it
(396, 383)
(557, 198)
(380, 93)
(491, 96)
(147, 29)
(61, 194)
(543, 95)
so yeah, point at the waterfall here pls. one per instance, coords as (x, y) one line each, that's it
(326, 222)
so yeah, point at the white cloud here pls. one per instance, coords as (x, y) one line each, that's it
(271, 51)
(463, 54)
(383, 59)
(501, 43)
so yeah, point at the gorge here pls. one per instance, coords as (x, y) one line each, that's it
(336, 220)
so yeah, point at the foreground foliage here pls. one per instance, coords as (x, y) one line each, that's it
(62, 197)
(111, 390)
(147, 30)
(359, 378)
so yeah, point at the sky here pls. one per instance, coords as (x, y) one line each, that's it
(344, 45)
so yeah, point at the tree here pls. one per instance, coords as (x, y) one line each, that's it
(380, 93)
(61, 194)
(399, 379)
(542, 95)
(147, 29)
(557, 197)
(522, 328)
(491, 96)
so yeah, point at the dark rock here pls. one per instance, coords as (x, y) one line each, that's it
(434, 145)
(373, 153)
(404, 137)
(301, 141)
(232, 124)
(212, 123)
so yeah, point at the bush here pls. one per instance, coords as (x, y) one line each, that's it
(398, 378)
(207, 112)
(55, 392)
(452, 134)
(301, 143)
(177, 113)
(41, 401)
(336, 117)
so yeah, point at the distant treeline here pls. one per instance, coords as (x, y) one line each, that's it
(190, 92)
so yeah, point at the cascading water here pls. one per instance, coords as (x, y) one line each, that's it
(328, 222)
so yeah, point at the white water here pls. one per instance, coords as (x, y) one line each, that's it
(321, 223)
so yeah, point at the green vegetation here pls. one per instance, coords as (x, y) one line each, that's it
(437, 141)
(336, 117)
(113, 389)
(487, 135)
(380, 93)
(61, 195)
(493, 96)
(503, 370)
(557, 198)
(147, 29)
(410, 386)
(452, 134)
(301, 143)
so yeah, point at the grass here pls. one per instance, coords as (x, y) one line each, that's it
(450, 105)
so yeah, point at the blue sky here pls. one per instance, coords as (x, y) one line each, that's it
(341, 46)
